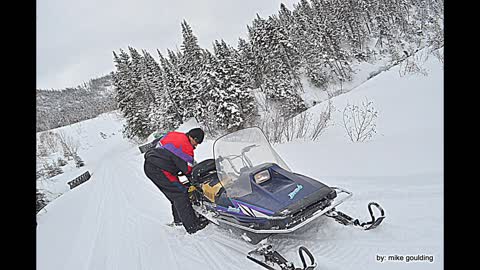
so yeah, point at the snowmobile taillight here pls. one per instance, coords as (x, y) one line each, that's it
(262, 176)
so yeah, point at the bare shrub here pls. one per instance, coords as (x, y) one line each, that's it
(69, 145)
(414, 65)
(39, 174)
(359, 121)
(438, 55)
(303, 124)
(273, 126)
(321, 122)
(296, 127)
(78, 127)
(289, 129)
(278, 129)
(49, 142)
(41, 151)
(51, 170)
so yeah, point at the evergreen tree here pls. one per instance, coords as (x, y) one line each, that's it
(191, 59)
(154, 82)
(135, 85)
(138, 122)
(248, 64)
(172, 118)
(122, 79)
(328, 60)
(210, 85)
(234, 100)
(187, 81)
(174, 58)
(274, 56)
(318, 38)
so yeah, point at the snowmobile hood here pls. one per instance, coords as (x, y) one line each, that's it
(284, 193)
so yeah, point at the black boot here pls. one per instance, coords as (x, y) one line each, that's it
(202, 223)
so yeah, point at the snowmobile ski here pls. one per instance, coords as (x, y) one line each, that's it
(272, 259)
(347, 220)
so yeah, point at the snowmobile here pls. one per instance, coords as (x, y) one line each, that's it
(247, 185)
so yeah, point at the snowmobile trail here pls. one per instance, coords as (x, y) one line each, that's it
(120, 225)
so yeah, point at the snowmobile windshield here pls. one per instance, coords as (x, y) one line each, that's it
(237, 153)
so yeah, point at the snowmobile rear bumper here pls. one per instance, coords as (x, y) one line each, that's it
(320, 212)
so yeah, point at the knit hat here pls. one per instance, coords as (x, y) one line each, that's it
(197, 134)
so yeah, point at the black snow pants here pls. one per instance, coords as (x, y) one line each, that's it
(177, 195)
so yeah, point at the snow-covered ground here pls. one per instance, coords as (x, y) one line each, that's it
(116, 219)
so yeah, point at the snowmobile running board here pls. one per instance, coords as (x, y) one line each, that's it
(301, 224)
(272, 257)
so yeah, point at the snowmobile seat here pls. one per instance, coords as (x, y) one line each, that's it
(204, 171)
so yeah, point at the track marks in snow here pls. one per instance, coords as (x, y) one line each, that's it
(124, 215)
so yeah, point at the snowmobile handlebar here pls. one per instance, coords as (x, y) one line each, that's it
(248, 148)
(245, 160)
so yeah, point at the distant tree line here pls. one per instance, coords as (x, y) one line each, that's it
(320, 39)
(56, 108)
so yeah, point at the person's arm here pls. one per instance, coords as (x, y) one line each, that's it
(182, 165)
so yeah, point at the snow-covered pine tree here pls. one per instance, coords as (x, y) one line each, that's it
(152, 74)
(154, 81)
(353, 32)
(241, 81)
(142, 95)
(365, 10)
(122, 80)
(171, 115)
(235, 101)
(228, 114)
(427, 21)
(187, 82)
(209, 85)
(248, 63)
(286, 27)
(385, 36)
(271, 53)
(191, 59)
(186, 89)
(326, 27)
(124, 83)
(174, 58)
(309, 46)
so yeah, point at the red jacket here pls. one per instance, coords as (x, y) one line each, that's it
(172, 153)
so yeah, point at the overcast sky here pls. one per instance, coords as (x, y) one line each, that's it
(75, 39)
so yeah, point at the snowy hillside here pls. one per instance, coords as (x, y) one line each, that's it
(116, 219)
